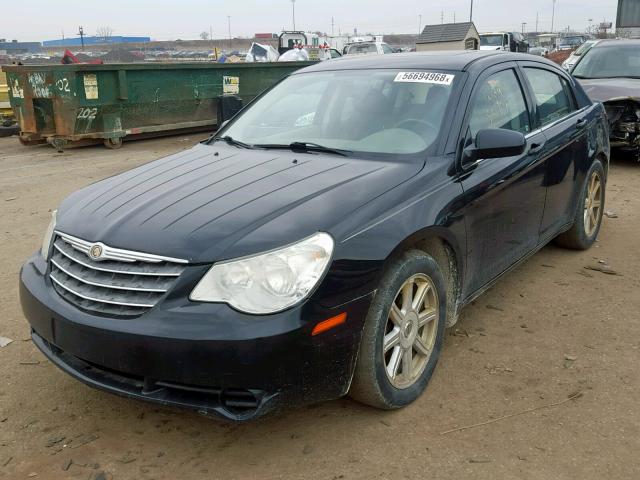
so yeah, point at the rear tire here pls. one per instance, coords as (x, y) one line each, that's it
(392, 372)
(588, 218)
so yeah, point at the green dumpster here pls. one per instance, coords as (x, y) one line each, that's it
(83, 103)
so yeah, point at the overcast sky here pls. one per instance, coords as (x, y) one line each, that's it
(37, 20)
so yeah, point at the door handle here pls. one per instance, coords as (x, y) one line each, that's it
(581, 123)
(535, 148)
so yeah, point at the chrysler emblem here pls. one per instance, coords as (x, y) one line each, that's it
(95, 252)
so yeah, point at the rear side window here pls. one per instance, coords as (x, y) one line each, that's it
(499, 103)
(552, 94)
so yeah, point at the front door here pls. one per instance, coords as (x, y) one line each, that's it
(505, 196)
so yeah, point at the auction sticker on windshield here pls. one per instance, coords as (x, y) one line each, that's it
(425, 77)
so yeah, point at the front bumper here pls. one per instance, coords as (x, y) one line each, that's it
(207, 357)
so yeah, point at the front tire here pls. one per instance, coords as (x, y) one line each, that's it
(403, 333)
(588, 218)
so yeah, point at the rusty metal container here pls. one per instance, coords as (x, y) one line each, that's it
(5, 107)
(84, 103)
(7, 121)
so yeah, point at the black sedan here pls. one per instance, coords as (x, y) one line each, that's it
(319, 244)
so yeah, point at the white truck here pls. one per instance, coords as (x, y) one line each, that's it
(504, 41)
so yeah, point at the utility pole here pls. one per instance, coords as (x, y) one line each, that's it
(553, 14)
(536, 22)
(229, 22)
(419, 24)
(454, 17)
(332, 23)
(471, 12)
(293, 9)
(81, 33)
(441, 16)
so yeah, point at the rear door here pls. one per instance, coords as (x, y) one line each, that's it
(504, 196)
(565, 130)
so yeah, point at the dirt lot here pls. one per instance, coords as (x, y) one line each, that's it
(547, 331)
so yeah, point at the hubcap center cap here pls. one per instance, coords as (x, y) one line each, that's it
(409, 329)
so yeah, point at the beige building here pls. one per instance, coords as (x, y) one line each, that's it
(448, 36)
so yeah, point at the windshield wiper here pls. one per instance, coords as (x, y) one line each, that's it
(231, 141)
(305, 147)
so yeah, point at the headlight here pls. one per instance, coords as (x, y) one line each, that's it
(268, 282)
(48, 236)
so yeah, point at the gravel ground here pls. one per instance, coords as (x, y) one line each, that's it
(553, 347)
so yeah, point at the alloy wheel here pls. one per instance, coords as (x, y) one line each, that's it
(410, 332)
(592, 204)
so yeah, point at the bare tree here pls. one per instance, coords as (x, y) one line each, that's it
(204, 35)
(104, 33)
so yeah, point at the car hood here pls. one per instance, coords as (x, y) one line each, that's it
(607, 89)
(218, 202)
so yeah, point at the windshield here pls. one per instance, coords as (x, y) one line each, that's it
(362, 48)
(618, 61)
(366, 111)
(491, 40)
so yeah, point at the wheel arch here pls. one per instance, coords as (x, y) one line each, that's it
(443, 246)
(604, 159)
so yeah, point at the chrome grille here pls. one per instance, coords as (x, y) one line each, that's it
(118, 282)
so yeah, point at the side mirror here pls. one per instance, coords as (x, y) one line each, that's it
(495, 143)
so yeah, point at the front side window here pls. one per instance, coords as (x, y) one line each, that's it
(552, 94)
(386, 48)
(499, 103)
(373, 111)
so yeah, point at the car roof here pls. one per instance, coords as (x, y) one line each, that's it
(459, 60)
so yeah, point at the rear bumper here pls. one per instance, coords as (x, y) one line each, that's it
(206, 357)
